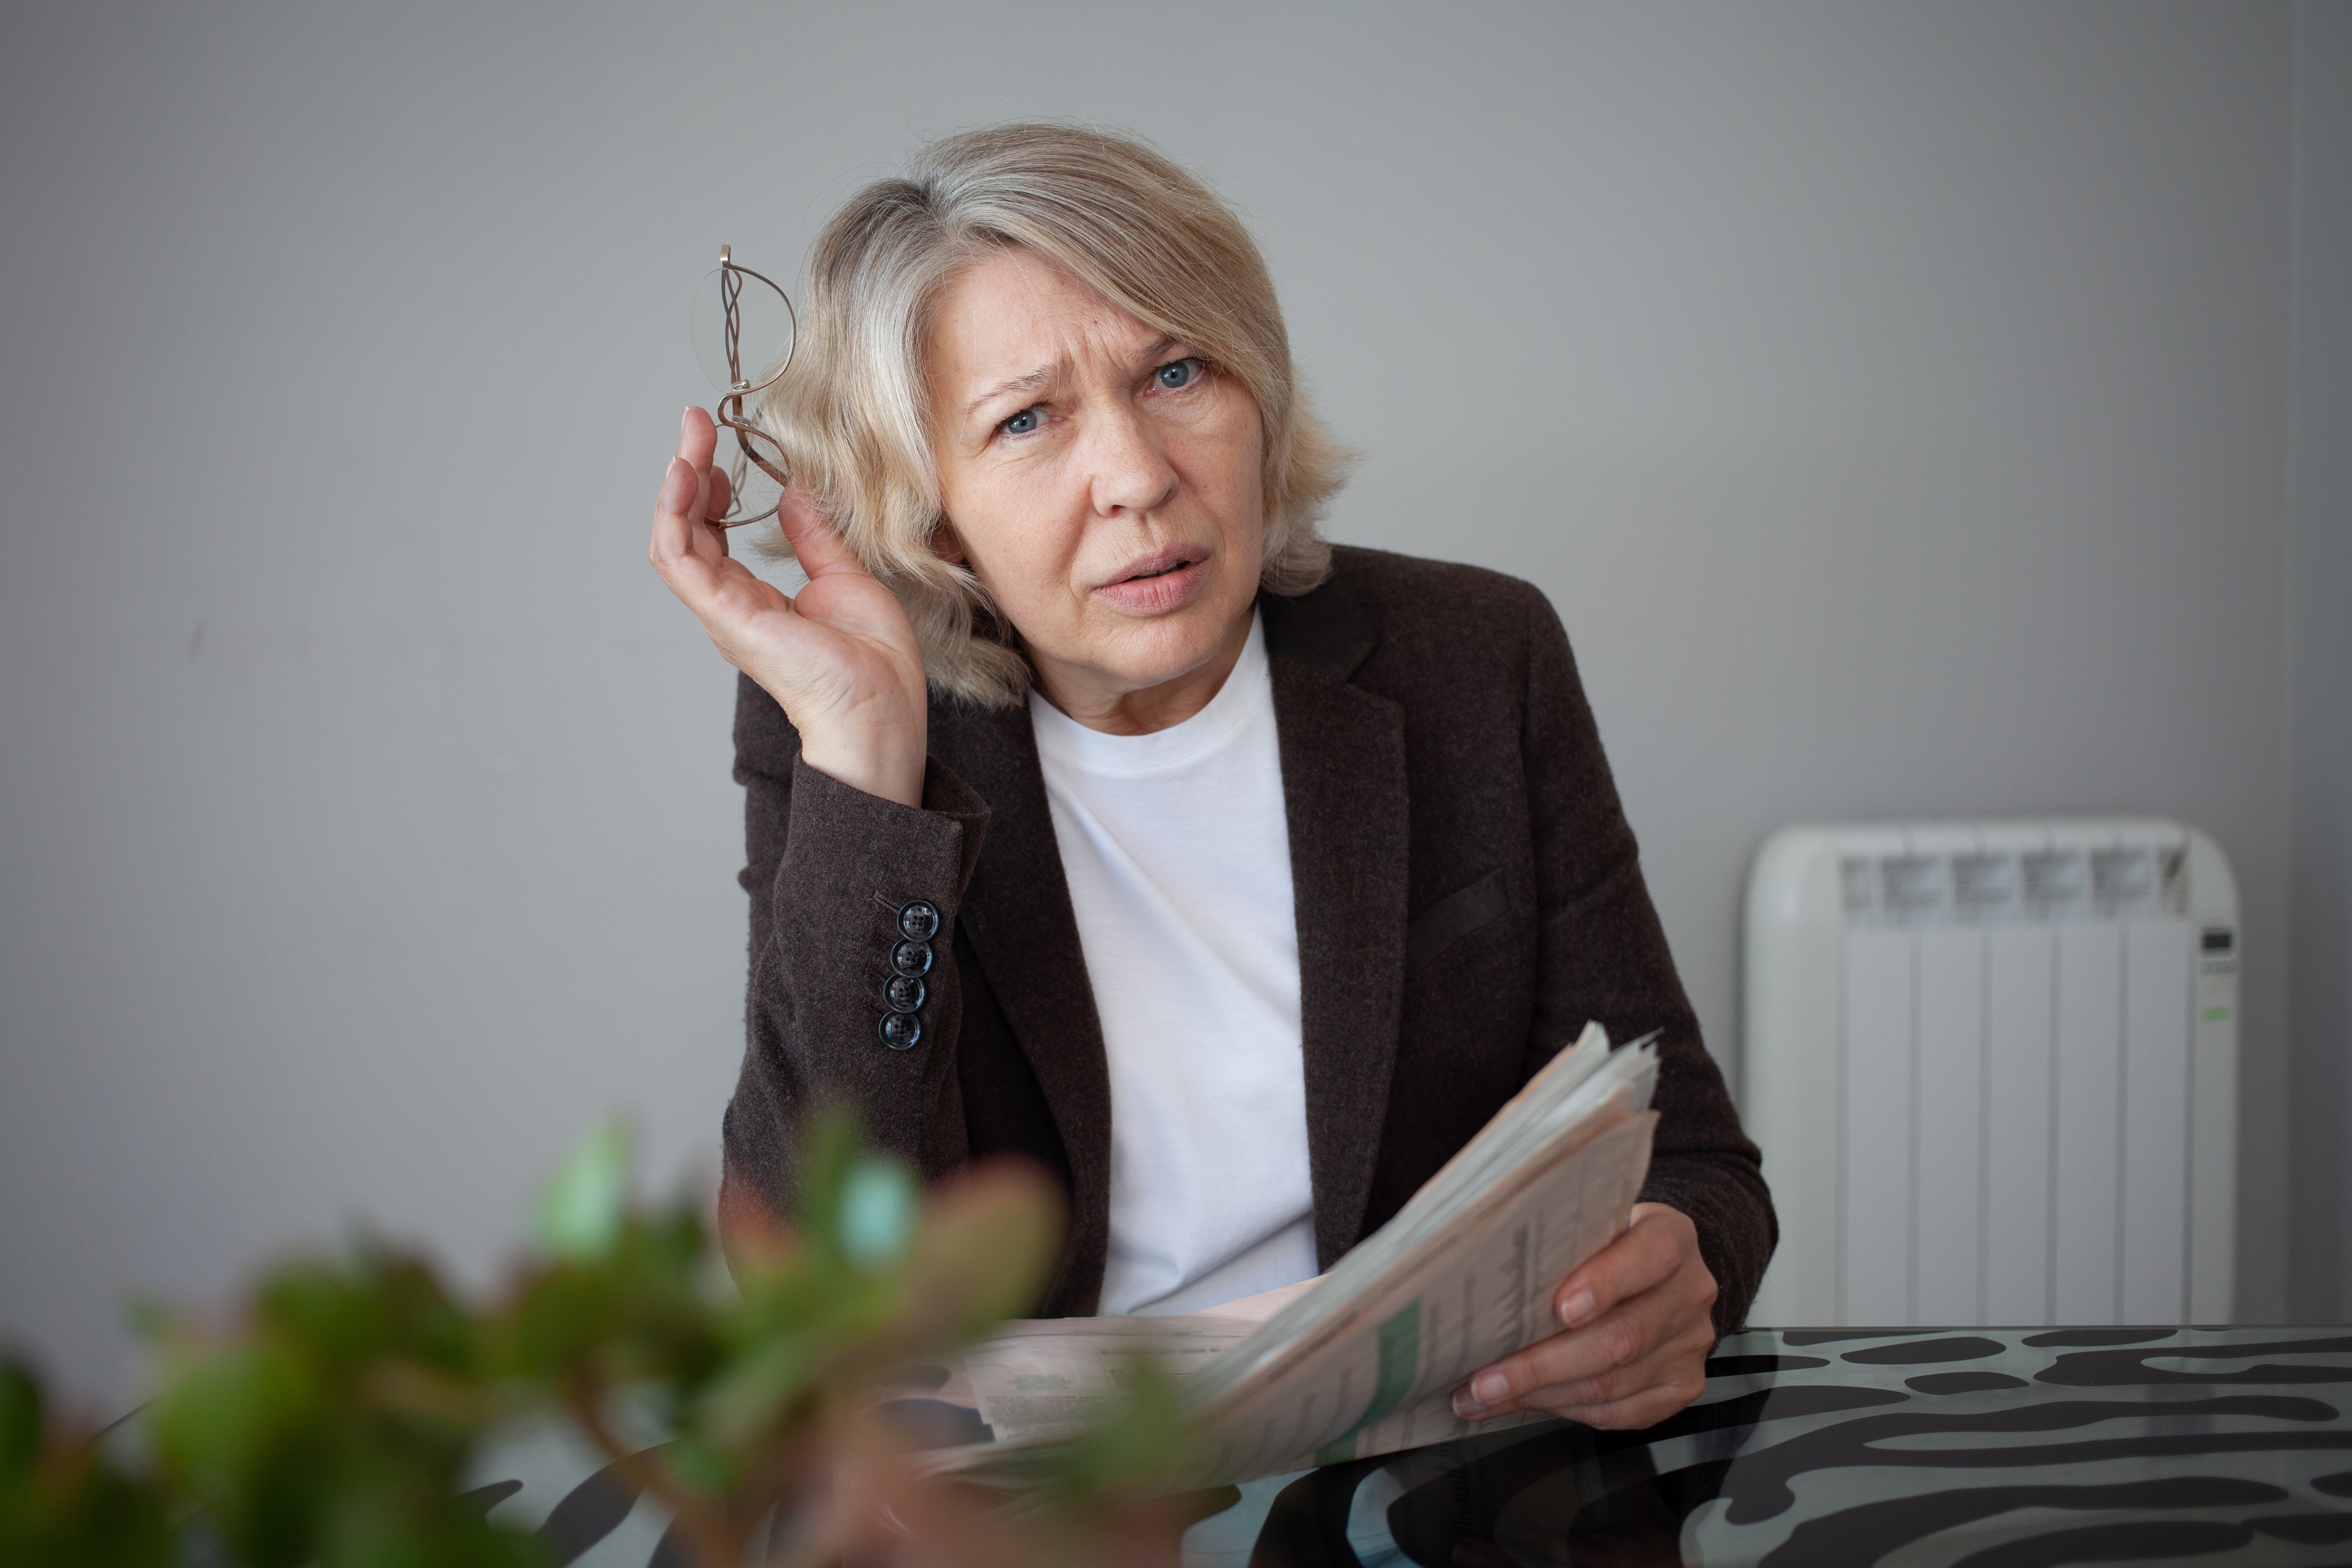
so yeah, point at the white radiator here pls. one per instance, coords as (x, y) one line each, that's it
(1993, 1069)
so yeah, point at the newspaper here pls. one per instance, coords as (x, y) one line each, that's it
(1363, 1359)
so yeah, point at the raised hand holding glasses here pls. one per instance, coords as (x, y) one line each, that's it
(839, 657)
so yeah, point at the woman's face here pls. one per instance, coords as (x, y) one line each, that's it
(1103, 480)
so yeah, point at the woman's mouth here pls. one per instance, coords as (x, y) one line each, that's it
(1167, 579)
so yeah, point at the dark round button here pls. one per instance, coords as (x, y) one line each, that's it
(912, 958)
(902, 994)
(900, 1030)
(918, 921)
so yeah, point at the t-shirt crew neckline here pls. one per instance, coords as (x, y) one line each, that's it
(1063, 740)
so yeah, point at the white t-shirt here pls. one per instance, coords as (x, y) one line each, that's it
(1177, 852)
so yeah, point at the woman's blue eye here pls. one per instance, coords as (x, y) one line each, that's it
(1182, 372)
(1022, 423)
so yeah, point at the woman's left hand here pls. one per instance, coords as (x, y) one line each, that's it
(1639, 1328)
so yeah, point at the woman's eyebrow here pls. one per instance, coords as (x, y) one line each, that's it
(1034, 381)
(1046, 375)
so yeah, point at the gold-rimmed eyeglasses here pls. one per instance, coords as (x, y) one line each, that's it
(754, 321)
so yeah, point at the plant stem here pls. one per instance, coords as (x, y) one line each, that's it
(715, 1541)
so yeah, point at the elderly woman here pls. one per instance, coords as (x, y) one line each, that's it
(1100, 812)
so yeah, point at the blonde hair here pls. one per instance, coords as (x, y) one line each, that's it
(852, 413)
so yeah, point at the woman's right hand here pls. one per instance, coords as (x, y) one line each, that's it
(840, 656)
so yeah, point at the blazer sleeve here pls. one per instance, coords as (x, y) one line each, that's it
(1601, 954)
(829, 868)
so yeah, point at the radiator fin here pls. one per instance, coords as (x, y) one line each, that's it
(2030, 1028)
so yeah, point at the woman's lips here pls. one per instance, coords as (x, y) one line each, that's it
(1158, 587)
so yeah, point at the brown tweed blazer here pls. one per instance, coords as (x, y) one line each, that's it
(1467, 890)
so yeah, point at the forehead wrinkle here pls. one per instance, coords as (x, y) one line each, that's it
(1097, 325)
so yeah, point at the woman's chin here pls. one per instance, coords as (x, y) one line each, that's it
(1131, 656)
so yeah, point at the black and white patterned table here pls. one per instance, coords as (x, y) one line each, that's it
(1967, 1449)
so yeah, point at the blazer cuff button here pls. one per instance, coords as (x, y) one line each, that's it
(902, 994)
(918, 921)
(912, 958)
(899, 1031)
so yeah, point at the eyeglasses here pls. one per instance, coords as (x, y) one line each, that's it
(758, 471)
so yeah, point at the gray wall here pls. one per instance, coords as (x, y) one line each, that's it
(1894, 400)
(2321, 821)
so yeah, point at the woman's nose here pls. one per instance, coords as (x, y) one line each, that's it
(1131, 472)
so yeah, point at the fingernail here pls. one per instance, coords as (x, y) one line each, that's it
(1490, 1388)
(685, 418)
(1576, 1309)
(1467, 1407)
(677, 483)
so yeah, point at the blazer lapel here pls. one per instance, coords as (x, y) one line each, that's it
(1343, 788)
(1017, 913)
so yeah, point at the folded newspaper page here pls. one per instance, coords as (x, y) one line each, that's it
(1364, 1360)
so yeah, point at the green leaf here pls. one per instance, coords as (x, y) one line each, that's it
(79, 1510)
(20, 1422)
(877, 1214)
(705, 1468)
(755, 1389)
(226, 1413)
(830, 1145)
(581, 1209)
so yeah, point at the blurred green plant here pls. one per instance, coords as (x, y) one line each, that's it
(334, 1421)
(65, 1500)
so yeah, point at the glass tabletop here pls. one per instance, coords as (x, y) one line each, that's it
(1810, 1448)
